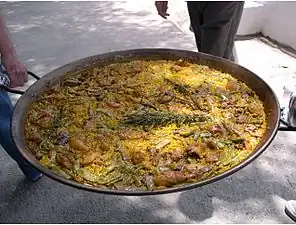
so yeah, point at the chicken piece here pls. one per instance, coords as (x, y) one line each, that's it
(166, 97)
(45, 122)
(46, 113)
(250, 127)
(212, 158)
(77, 144)
(177, 154)
(35, 136)
(137, 156)
(248, 146)
(219, 128)
(89, 124)
(191, 150)
(170, 178)
(255, 108)
(212, 144)
(232, 86)
(197, 150)
(137, 67)
(39, 155)
(104, 146)
(182, 63)
(175, 68)
(215, 129)
(64, 161)
(191, 167)
(196, 169)
(113, 105)
(90, 158)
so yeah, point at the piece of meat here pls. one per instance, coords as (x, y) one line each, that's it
(103, 146)
(77, 144)
(45, 122)
(248, 146)
(250, 127)
(89, 124)
(38, 155)
(45, 113)
(166, 97)
(191, 150)
(177, 154)
(223, 130)
(137, 157)
(191, 168)
(35, 136)
(113, 105)
(168, 162)
(212, 158)
(137, 67)
(215, 129)
(182, 63)
(242, 119)
(201, 148)
(175, 68)
(255, 108)
(170, 178)
(64, 161)
(90, 158)
(232, 86)
(196, 150)
(212, 144)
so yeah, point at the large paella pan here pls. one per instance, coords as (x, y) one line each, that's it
(145, 121)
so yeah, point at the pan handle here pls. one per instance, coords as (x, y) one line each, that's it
(286, 126)
(5, 83)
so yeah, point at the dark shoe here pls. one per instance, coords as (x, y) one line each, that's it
(30, 172)
(35, 178)
(290, 209)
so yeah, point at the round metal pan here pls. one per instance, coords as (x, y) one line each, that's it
(265, 93)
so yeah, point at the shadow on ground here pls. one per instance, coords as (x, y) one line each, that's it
(50, 34)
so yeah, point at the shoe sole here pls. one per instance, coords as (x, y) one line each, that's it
(292, 217)
(36, 179)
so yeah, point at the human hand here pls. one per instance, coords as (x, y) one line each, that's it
(162, 7)
(16, 70)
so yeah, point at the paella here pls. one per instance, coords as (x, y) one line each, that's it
(144, 124)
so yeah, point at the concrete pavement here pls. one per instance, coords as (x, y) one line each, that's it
(50, 34)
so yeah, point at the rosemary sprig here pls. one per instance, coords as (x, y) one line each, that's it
(161, 118)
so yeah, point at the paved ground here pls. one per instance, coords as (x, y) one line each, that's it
(50, 34)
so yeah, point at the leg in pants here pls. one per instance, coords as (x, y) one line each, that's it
(233, 31)
(215, 25)
(6, 141)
